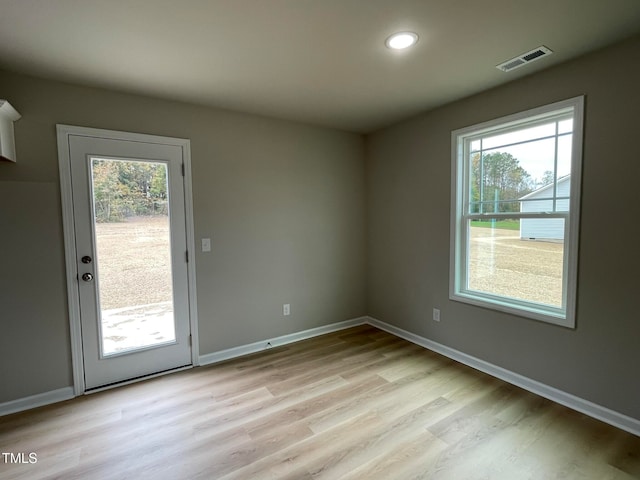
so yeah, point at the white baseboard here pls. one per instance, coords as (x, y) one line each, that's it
(591, 409)
(67, 393)
(38, 400)
(581, 405)
(234, 352)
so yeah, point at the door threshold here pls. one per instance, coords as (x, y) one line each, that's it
(136, 380)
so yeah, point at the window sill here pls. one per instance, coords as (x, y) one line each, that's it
(530, 311)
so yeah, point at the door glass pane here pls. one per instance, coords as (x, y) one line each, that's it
(133, 257)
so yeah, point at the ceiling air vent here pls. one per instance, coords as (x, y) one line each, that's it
(527, 57)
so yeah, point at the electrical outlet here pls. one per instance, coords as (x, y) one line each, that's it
(436, 314)
(206, 244)
(286, 309)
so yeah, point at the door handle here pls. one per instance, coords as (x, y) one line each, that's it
(87, 277)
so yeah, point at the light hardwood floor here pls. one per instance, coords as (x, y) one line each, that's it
(355, 404)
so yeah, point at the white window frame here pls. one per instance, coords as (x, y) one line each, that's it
(460, 216)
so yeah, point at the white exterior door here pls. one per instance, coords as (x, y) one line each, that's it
(131, 261)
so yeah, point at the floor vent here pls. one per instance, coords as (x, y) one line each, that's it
(527, 57)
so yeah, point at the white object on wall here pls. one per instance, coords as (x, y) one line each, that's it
(8, 115)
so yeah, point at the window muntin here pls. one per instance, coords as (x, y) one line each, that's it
(514, 226)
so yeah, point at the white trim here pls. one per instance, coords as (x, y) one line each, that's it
(576, 202)
(64, 165)
(38, 400)
(591, 409)
(8, 115)
(581, 405)
(191, 247)
(255, 347)
(68, 228)
(459, 248)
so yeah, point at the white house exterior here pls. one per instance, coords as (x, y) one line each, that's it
(540, 201)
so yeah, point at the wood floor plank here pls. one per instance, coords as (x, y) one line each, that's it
(354, 404)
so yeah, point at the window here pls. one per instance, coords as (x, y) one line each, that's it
(515, 212)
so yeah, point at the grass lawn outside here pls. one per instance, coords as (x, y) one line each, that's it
(502, 224)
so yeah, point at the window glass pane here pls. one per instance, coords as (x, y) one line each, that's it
(511, 173)
(523, 135)
(564, 155)
(505, 260)
(475, 145)
(565, 126)
(536, 159)
(541, 200)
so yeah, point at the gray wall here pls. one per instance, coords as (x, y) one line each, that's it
(408, 197)
(282, 202)
(285, 206)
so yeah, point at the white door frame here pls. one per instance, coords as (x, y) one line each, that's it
(68, 224)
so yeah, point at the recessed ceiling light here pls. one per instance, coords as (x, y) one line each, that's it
(401, 40)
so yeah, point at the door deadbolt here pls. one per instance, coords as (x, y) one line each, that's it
(86, 259)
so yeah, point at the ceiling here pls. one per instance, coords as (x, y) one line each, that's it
(322, 62)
